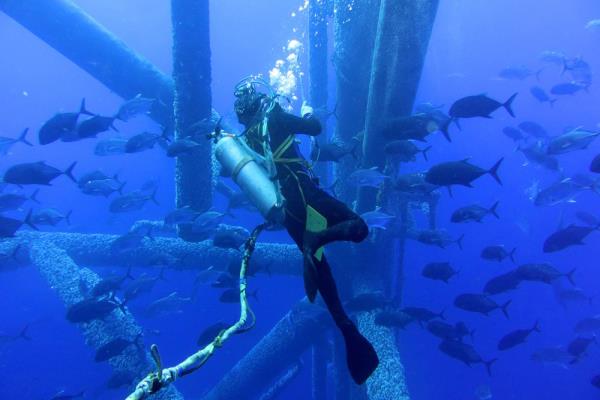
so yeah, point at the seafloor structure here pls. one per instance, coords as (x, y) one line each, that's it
(380, 47)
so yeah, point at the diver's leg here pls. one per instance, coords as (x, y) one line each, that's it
(360, 355)
(352, 230)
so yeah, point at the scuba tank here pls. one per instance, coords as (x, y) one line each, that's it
(239, 162)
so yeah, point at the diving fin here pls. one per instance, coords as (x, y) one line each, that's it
(310, 278)
(360, 355)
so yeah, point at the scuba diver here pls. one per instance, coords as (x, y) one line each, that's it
(312, 217)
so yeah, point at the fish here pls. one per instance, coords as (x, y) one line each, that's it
(92, 309)
(12, 201)
(333, 151)
(95, 175)
(110, 147)
(206, 276)
(578, 347)
(576, 139)
(483, 392)
(207, 222)
(183, 215)
(553, 57)
(421, 314)
(225, 280)
(50, 216)
(595, 381)
(587, 218)
(22, 335)
(545, 273)
(516, 337)
(502, 283)
(533, 129)
(170, 304)
(182, 147)
(572, 235)
(465, 353)
(135, 106)
(589, 325)
(415, 127)
(110, 284)
(95, 125)
(474, 213)
(595, 165)
(568, 88)
(144, 141)
(36, 173)
(393, 319)
(447, 331)
(377, 219)
(210, 333)
(142, 284)
(404, 150)
(62, 396)
(459, 173)
(130, 241)
(60, 125)
(7, 143)
(116, 347)
(479, 106)
(103, 187)
(13, 255)
(414, 184)
(132, 201)
(230, 238)
(563, 191)
(368, 178)
(365, 302)
(9, 226)
(540, 95)
(233, 295)
(439, 271)
(438, 238)
(236, 198)
(579, 69)
(497, 253)
(513, 133)
(593, 24)
(518, 72)
(537, 155)
(572, 295)
(480, 303)
(552, 356)
(427, 108)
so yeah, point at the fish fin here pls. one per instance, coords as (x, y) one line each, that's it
(83, 110)
(508, 105)
(120, 189)
(153, 197)
(488, 365)
(23, 137)
(445, 129)
(23, 334)
(69, 172)
(504, 308)
(493, 209)
(512, 255)
(552, 101)
(536, 326)
(361, 357)
(128, 274)
(494, 170)
(538, 73)
(441, 315)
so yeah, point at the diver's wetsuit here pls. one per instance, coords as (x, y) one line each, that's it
(300, 188)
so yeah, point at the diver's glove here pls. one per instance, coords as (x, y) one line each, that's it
(306, 110)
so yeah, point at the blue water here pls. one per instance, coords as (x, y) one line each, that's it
(471, 42)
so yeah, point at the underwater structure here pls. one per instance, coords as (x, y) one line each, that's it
(394, 36)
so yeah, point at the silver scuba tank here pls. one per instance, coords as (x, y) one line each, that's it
(250, 176)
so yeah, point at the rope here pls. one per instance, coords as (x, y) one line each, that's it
(156, 381)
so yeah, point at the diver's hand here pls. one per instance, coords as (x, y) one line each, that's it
(306, 109)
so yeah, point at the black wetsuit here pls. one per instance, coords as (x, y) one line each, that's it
(300, 188)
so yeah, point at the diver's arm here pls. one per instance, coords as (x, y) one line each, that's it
(307, 125)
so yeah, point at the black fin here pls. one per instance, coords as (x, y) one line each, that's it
(360, 355)
(310, 278)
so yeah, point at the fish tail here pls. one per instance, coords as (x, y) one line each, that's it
(69, 172)
(120, 189)
(512, 255)
(23, 334)
(538, 74)
(552, 101)
(68, 217)
(494, 171)
(493, 210)
(508, 105)
(424, 151)
(504, 308)
(569, 276)
(441, 315)
(28, 221)
(153, 197)
(536, 327)
(15, 252)
(459, 241)
(128, 274)
(445, 129)
(23, 137)
(33, 196)
(83, 110)
(488, 365)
